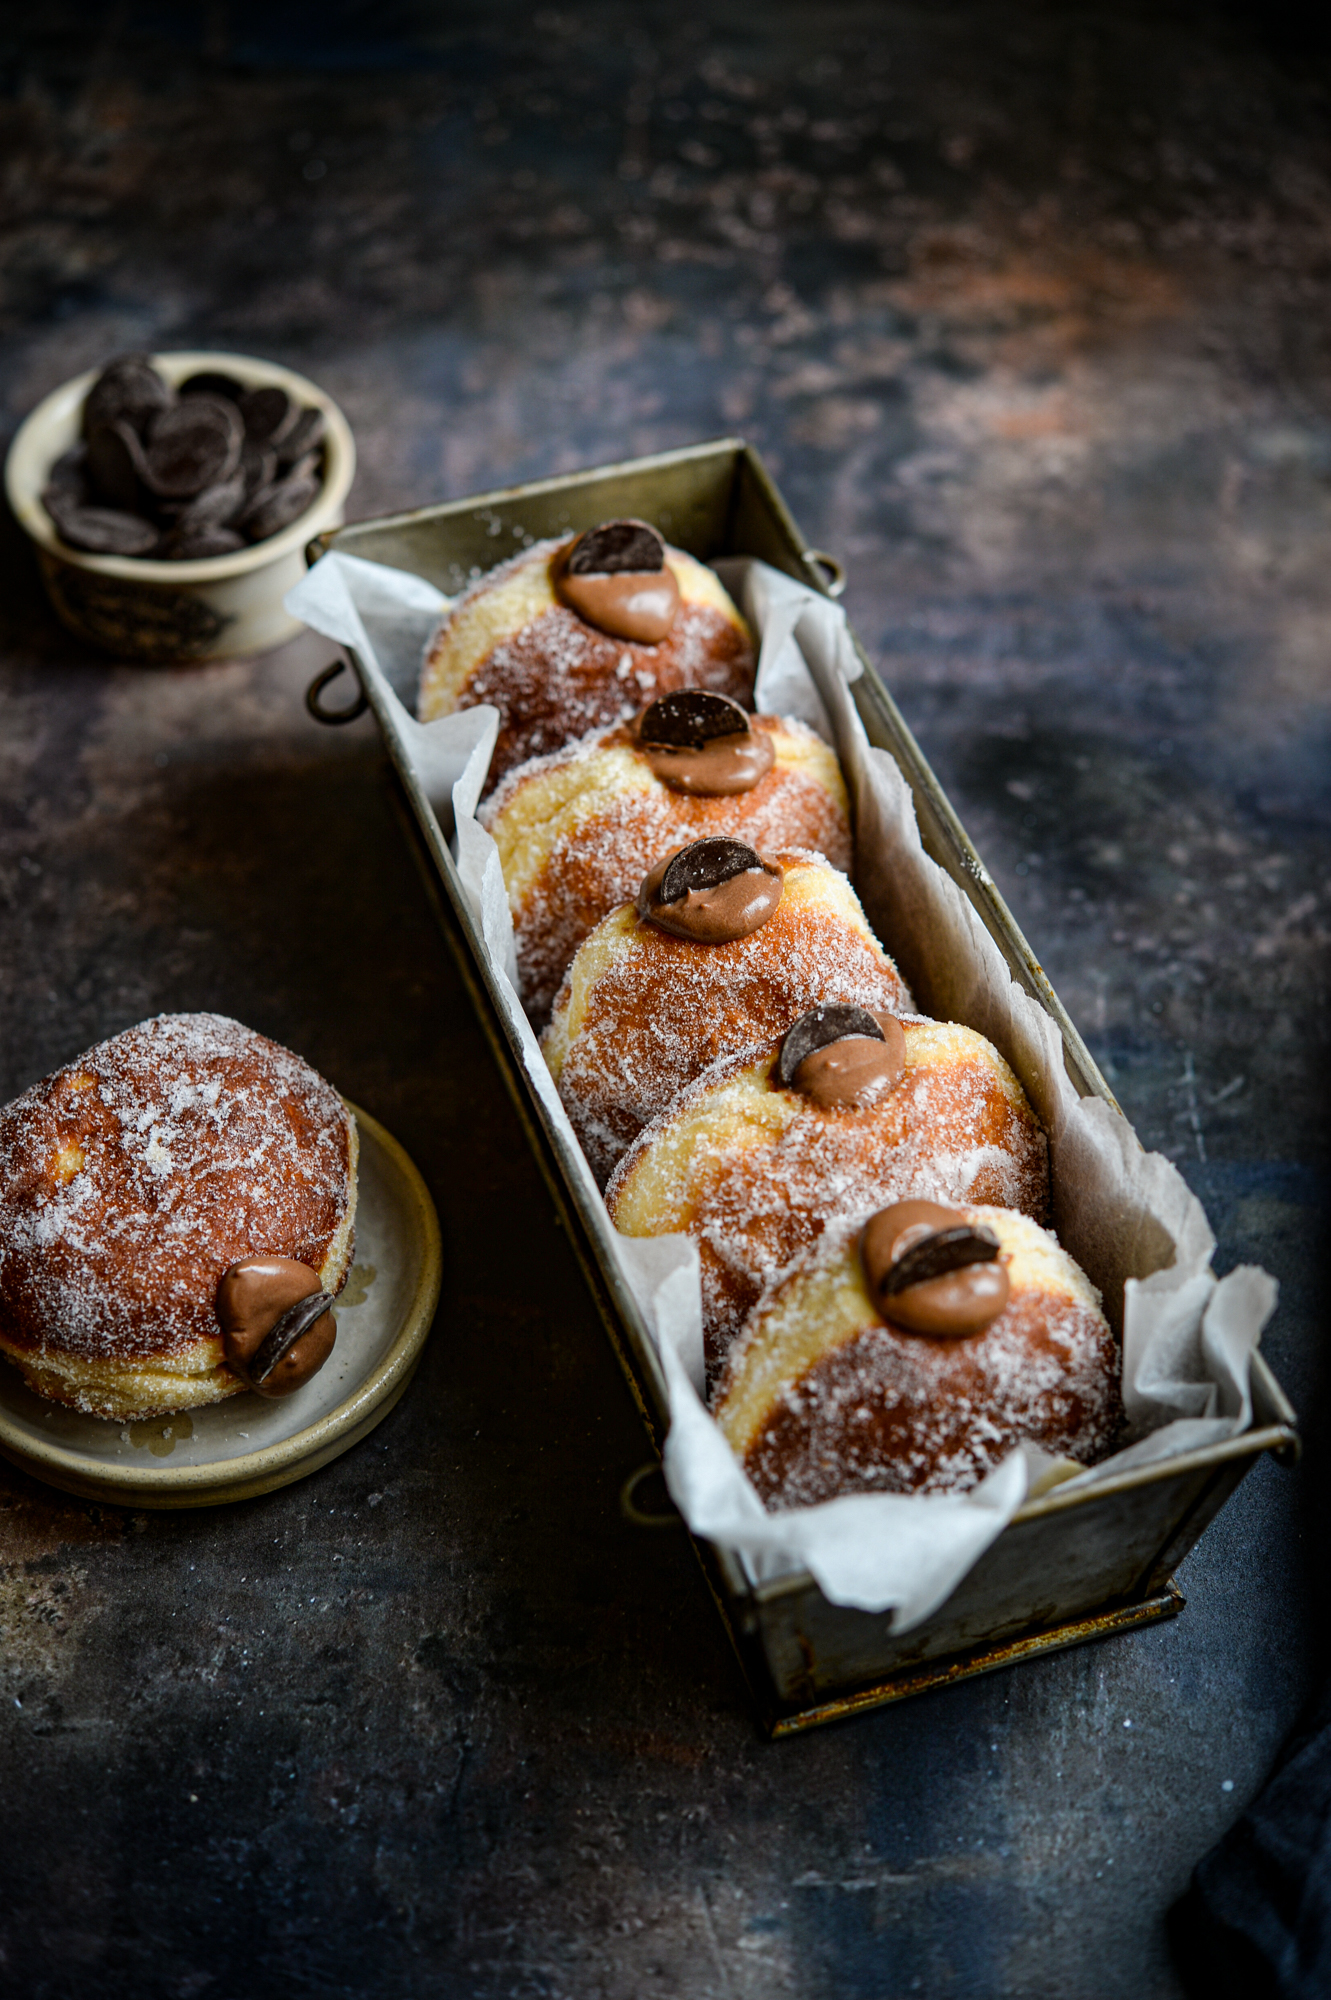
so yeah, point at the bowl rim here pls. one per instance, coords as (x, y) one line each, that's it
(32, 453)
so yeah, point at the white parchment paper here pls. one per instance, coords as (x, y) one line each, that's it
(1127, 1216)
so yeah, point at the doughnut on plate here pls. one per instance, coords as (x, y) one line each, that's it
(247, 1444)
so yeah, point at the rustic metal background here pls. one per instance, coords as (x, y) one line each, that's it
(1028, 309)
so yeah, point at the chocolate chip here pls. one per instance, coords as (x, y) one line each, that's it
(202, 539)
(276, 507)
(116, 466)
(306, 434)
(947, 1250)
(104, 531)
(830, 1021)
(192, 445)
(258, 462)
(216, 505)
(615, 546)
(269, 414)
(295, 1321)
(706, 864)
(208, 384)
(128, 390)
(690, 717)
(69, 474)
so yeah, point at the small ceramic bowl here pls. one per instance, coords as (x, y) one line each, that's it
(166, 612)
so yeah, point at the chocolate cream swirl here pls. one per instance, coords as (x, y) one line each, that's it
(711, 892)
(931, 1271)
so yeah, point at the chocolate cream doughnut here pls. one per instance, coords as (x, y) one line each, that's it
(561, 653)
(769, 1147)
(992, 1336)
(577, 831)
(184, 1169)
(723, 949)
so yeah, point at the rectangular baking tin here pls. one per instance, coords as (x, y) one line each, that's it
(1069, 1567)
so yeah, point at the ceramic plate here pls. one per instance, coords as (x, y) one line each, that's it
(247, 1445)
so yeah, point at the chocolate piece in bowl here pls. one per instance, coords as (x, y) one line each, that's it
(268, 414)
(195, 443)
(128, 390)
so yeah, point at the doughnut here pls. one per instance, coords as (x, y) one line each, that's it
(756, 1168)
(559, 654)
(577, 830)
(177, 1208)
(910, 1352)
(722, 950)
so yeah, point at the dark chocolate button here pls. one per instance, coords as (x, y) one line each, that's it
(209, 384)
(276, 507)
(830, 1021)
(706, 864)
(946, 1250)
(104, 531)
(258, 462)
(203, 539)
(216, 506)
(69, 474)
(192, 445)
(690, 717)
(615, 546)
(128, 390)
(269, 414)
(116, 466)
(306, 434)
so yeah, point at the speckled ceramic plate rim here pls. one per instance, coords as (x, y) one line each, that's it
(292, 1458)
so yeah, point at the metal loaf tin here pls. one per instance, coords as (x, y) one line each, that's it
(1066, 1569)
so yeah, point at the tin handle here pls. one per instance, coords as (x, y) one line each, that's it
(832, 572)
(628, 1501)
(333, 715)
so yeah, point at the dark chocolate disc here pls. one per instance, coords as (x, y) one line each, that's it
(946, 1250)
(203, 539)
(615, 546)
(258, 462)
(706, 864)
(105, 531)
(216, 506)
(210, 384)
(192, 445)
(690, 717)
(116, 467)
(306, 434)
(69, 474)
(830, 1021)
(269, 414)
(276, 507)
(128, 390)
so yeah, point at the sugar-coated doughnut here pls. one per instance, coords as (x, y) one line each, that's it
(577, 831)
(132, 1181)
(643, 1012)
(756, 1169)
(512, 640)
(822, 1395)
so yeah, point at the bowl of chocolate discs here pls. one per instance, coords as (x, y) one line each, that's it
(170, 498)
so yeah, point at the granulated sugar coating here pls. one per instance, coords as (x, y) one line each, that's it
(134, 1177)
(756, 1172)
(822, 1397)
(553, 677)
(641, 1013)
(578, 830)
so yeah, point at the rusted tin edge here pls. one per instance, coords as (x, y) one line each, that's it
(979, 1660)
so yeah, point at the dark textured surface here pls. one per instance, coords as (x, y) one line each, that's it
(1028, 309)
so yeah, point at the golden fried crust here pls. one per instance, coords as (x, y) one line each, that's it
(553, 677)
(133, 1178)
(755, 1172)
(641, 1013)
(821, 1397)
(577, 831)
